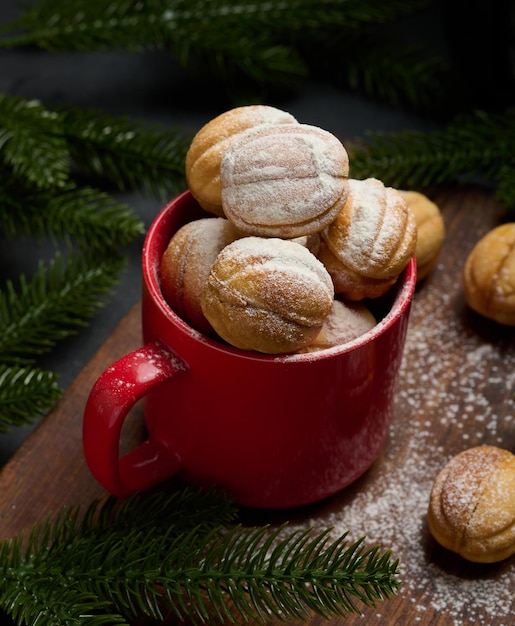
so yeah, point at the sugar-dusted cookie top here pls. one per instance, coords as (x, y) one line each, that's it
(213, 139)
(375, 234)
(267, 294)
(489, 275)
(284, 180)
(472, 504)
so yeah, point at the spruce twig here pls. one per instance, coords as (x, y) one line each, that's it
(268, 45)
(58, 300)
(391, 72)
(478, 144)
(92, 218)
(182, 551)
(31, 142)
(128, 153)
(73, 25)
(39, 145)
(26, 393)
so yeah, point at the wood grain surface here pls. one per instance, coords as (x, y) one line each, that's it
(456, 391)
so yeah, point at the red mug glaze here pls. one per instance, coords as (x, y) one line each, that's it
(273, 431)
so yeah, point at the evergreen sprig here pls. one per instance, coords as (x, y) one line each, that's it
(26, 393)
(91, 218)
(41, 149)
(53, 304)
(38, 198)
(479, 144)
(244, 44)
(182, 552)
(74, 25)
(396, 73)
(31, 142)
(128, 153)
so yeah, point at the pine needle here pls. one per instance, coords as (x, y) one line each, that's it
(39, 145)
(31, 142)
(237, 40)
(130, 154)
(181, 551)
(57, 301)
(392, 72)
(91, 218)
(479, 144)
(75, 25)
(26, 394)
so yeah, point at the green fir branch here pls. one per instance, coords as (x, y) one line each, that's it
(128, 153)
(74, 25)
(398, 74)
(238, 40)
(26, 393)
(31, 142)
(59, 299)
(472, 145)
(373, 63)
(92, 218)
(182, 552)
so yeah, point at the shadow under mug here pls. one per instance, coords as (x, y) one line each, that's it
(272, 431)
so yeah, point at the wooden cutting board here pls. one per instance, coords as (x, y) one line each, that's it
(456, 391)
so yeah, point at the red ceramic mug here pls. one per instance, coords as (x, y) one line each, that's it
(273, 431)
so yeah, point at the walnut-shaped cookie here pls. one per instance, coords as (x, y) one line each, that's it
(472, 505)
(346, 321)
(489, 275)
(208, 146)
(430, 229)
(186, 263)
(373, 237)
(285, 180)
(267, 295)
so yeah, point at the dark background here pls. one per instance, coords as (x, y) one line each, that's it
(152, 87)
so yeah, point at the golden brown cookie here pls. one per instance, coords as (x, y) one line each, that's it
(210, 143)
(345, 322)
(285, 180)
(472, 505)
(352, 285)
(267, 295)
(489, 275)
(430, 228)
(373, 237)
(186, 263)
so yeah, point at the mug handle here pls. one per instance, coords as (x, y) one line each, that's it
(113, 395)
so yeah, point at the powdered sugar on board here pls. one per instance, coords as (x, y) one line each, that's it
(456, 390)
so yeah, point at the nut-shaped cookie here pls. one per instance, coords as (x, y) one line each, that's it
(346, 321)
(352, 285)
(186, 263)
(284, 180)
(208, 146)
(267, 295)
(375, 233)
(489, 275)
(430, 228)
(472, 505)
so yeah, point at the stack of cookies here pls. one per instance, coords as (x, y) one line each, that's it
(290, 249)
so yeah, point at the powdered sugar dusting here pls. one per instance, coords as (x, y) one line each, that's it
(283, 176)
(373, 235)
(449, 376)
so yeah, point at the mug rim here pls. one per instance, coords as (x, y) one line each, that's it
(405, 286)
